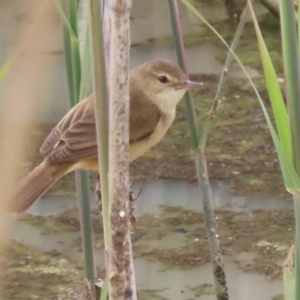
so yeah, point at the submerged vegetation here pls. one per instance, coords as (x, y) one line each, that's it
(264, 233)
(30, 274)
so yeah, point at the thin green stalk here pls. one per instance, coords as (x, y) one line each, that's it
(298, 19)
(86, 84)
(63, 11)
(83, 190)
(227, 63)
(73, 9)
(181, 58)
(8, 63)
(203, 180)
(289, 275)
(101, 106)
(104, 290)
(292, 76)
(229, 57)
(297, 242)
(101, 109)
(75, 55)
(67, 49)
(211, 226)
(72, 56)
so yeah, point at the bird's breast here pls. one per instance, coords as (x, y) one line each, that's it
(138, 148)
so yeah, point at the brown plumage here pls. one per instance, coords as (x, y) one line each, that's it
(72, 143)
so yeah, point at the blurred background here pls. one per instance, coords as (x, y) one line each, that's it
(151, 37)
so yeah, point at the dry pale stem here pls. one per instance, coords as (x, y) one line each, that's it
(120, 271)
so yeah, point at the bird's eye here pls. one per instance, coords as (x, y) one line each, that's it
(163, 79)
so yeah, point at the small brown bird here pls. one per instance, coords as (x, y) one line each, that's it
(155, 89)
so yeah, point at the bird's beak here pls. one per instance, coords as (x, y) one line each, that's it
(192, 84)
(188, 84)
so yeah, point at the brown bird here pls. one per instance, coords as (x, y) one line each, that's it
(155, 89)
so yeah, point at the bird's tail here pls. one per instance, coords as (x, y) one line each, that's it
(33, 186)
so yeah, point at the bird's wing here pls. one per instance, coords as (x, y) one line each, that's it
(144, 115)
(74, 138)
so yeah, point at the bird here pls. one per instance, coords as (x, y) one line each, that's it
(156, 87)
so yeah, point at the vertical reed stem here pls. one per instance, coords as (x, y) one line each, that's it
(297, 242)
(121, 273)
(101, 108)
(292, 76)
(203, 180)
(73, 67)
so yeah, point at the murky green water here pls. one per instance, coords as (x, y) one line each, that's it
(168, 279)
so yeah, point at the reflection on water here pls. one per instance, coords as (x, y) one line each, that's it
(186, 194)
(174, 193)
(31, 236)
(173, 283)
(177, 284)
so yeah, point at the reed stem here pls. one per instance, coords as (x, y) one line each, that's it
(203, 180)
(72, 56)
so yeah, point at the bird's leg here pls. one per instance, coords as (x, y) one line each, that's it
(98, 191)
(98, 289)
(132, 198)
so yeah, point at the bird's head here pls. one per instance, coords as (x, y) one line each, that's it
(163, 82)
